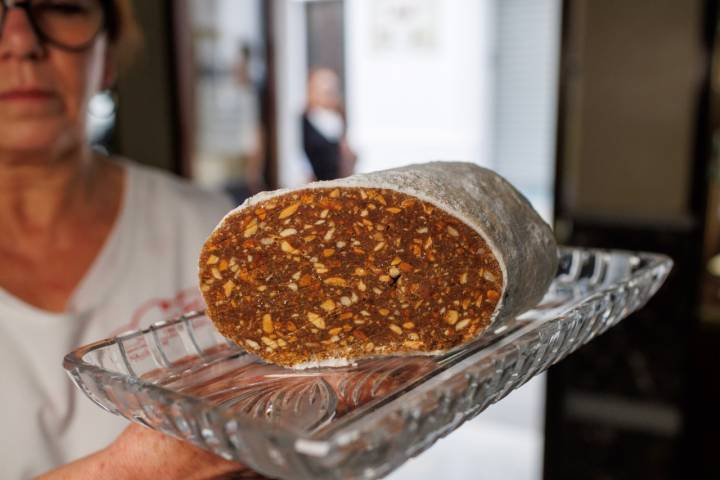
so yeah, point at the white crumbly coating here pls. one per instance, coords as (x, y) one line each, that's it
(344, 362)
(521, 241)
(328, 363)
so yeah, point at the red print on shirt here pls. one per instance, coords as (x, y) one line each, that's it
(163, 309)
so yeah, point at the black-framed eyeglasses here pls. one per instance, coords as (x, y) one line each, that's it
(68, 24)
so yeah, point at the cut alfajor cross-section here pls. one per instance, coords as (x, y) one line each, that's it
(416, 260)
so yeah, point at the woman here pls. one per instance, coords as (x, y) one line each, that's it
(323, 126)
(89, 246)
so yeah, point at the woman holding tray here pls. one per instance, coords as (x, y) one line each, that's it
(90, 246)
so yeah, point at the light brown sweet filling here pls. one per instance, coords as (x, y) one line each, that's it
(347, 273)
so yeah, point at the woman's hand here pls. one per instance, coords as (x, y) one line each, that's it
(143, 453)
(149, 454)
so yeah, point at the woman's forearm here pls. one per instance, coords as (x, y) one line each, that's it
(99, 465)
(142, 453)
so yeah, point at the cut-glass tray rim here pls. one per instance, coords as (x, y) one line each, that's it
(309, 442)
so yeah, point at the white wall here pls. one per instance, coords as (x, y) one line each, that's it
(291, 68)
(411, 103)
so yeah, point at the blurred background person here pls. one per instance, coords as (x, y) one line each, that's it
(323, 127)
(246, 178)
(230, 138)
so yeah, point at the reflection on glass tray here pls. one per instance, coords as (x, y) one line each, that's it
(181, 377)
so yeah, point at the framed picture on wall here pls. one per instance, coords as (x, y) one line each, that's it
(402, 25)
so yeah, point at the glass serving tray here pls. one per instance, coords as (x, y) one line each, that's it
(182, 378)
